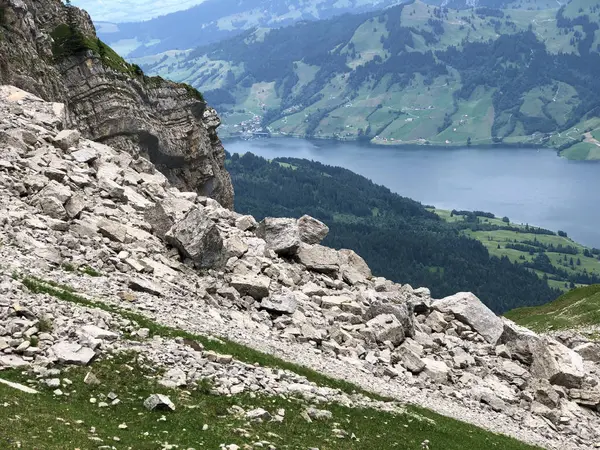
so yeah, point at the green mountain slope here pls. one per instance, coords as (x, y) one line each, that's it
(411, 74)
(398, 237)
(575, 309)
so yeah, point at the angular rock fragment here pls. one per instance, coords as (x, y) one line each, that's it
(72, 353)
(387, 327)
(281, 235)
(318, 258)
(67, 138)
(197, 238)
(159, 402)
(284, 303)
(558, 364)
(256, 286)
(312, 231)
(143, 285)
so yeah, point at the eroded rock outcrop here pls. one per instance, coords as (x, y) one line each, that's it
(161, 121)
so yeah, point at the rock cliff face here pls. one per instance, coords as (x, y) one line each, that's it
(159, 120)
(68, 204)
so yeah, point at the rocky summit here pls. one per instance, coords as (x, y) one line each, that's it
(69, 206)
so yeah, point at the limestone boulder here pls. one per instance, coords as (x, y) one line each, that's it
(353, 268)
(280, 234)
(312, 231)
(408, 359)
(436, 371)
(256, 286)
(519, 341)
(67, 138)
(318, 258)
(386, 327)
(557, 363)
(284, 303)
(590, 351)
(401, 312)
(197, 238)
(467, 308)
(72, 353)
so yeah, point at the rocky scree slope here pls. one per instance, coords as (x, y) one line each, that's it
(108, 100)
(185, 261)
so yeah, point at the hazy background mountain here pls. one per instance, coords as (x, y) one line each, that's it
(411, 73)
(191, 23)
(132, 10)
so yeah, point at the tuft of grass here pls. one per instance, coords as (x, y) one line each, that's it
(34, 341)
(90, 271)
(45, 325)
(205, 386)
(577, 308)
(68, 267)
(72, 421)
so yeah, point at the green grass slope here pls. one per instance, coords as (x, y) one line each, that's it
(411, 74)
(575, 309)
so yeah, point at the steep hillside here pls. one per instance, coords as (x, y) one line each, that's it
(52, 51)
(411, 74)
(398, 237)
(136, 314)
(556, 258)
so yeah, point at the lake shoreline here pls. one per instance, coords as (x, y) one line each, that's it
(527, 185)
(403, 145)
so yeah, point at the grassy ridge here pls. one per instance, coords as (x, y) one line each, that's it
(577, 308)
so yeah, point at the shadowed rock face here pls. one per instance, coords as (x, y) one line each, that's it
(157, 119)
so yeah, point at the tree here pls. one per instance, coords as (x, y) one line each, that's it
(505, 219)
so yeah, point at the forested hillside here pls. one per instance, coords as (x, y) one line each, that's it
(411, 74)
(398, 237)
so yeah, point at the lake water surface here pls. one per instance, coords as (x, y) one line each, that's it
(527, 185)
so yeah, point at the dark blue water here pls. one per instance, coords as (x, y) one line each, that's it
(527, 185)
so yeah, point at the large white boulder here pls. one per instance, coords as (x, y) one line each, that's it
(386, 327)
(467, 308)
(281, 235)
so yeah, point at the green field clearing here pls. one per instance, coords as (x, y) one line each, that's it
(582, 151)
(498, 242)
(473, 119)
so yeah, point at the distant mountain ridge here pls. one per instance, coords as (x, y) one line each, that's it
(411, 74)
(216, 20)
